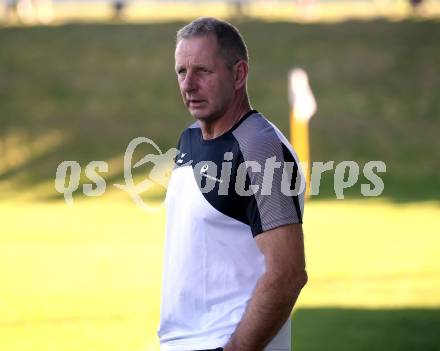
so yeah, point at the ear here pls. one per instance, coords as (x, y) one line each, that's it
(240, 71)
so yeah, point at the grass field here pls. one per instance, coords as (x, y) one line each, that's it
(82, 92)
(87, 277)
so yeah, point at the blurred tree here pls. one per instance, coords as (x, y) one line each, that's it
(238, 7)
(29, 11)
(118, 9)
(417, 6)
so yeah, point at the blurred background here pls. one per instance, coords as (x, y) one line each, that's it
(80, 79)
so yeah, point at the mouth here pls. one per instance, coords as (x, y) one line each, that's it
(195, 102)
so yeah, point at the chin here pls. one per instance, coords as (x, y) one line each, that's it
(204, 116)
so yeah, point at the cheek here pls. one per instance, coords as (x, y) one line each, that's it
(182, 91)
(227, 89)
(221, 89)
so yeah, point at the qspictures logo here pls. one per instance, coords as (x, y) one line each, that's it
(208, 175)
(68, 175)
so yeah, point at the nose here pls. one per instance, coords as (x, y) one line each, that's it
(188, 83)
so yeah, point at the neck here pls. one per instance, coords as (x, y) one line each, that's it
(219, 126)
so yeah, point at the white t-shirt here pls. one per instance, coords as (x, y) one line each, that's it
(215, 208)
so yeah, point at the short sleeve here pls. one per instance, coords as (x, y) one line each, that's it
(277, 181)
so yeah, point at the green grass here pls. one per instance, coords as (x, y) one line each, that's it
(87, 277)
(366, 329)
(98, 86)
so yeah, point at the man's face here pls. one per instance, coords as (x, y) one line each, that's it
(205, 81)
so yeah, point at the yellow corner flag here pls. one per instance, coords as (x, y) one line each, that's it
(302, 108)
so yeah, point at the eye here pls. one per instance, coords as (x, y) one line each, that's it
(181, 72)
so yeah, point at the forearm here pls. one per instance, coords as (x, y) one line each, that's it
(267, 311)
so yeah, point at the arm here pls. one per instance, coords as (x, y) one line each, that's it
(276, 291)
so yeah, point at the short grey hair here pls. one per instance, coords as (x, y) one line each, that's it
(231, 44)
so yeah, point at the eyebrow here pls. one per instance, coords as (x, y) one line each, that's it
(195, 67)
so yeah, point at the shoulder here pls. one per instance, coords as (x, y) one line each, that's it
(188, 133)
(259, 139)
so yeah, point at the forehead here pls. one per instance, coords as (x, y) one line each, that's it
(196, 49)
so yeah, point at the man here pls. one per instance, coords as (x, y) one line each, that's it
(234, 257)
